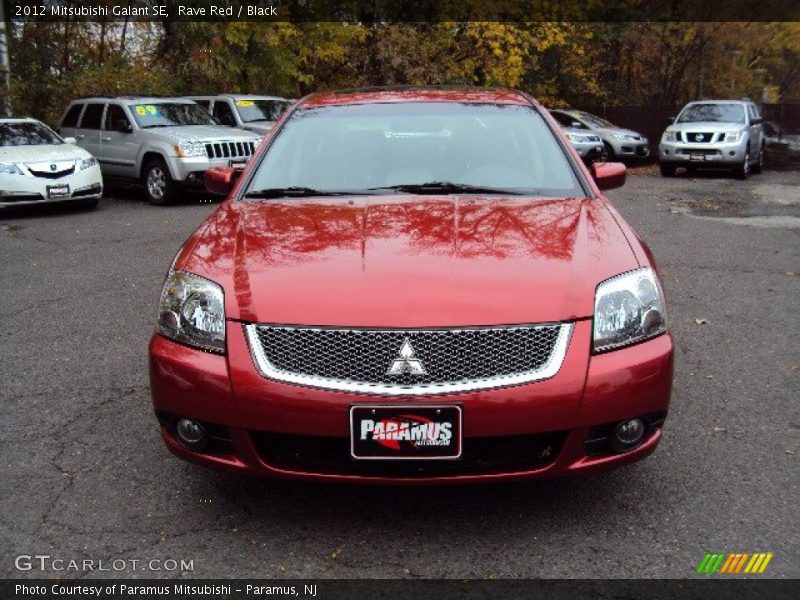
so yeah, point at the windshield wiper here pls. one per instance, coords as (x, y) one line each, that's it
(446, 187)
(298, 192)
(160, 125)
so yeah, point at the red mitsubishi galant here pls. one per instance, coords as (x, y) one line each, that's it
(413, 285)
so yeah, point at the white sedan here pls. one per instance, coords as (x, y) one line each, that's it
(37, 166)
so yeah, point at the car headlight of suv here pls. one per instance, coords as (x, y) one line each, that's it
(192, 311)
(87, 163)
(628, 308)
(733, 136)
(623, 136)
(189, 149)
(9, 169)
(669, 136)
(576, 138)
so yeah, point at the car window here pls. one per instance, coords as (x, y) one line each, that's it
(71, 118)
(596, 121)
(92, 116)
(715, 112)
(116, 119)
(357, 147)
(205, 104)
(254, 110)
(169, 114)
(27, 133)
(563, 119)
(224, 113)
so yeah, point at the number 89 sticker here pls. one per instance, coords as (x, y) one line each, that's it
(146, 110)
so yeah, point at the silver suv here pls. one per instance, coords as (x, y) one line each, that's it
(166, 143)
(254, 113)
(618, 143)
(713, 134)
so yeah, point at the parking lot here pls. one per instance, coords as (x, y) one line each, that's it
(85, 475)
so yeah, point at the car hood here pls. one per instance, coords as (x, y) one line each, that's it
(409, 261)
(619, 130)
(261, 128)
(201, 133)
(41, 153)
(706, 126)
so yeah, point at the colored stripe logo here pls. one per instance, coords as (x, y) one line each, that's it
(732, 563)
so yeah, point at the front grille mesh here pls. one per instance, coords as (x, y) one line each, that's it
(230, 149)
(330, 357)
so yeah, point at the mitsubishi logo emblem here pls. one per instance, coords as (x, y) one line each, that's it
(406, 362)
(53, 166)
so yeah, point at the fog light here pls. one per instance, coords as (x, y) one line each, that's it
(191, 434)
(627, 435)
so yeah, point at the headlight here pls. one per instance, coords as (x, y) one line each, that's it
(87, 163)
(575, 138)
(9, 169)
(733, 136)
(669, 136)
(628, 308)
(188, 149)
(623, 136)
(192, 311)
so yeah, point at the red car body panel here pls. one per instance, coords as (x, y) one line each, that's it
(413, 262)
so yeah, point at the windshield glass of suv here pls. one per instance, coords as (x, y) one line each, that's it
(169, 114)
(252, 110)
(596, 121)
(721, 113)
(27, 134)
(362, 147)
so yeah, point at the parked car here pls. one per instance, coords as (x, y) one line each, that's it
(37, 166)
(619, 143)
(254, 113)
(413, 285)
(714, 134)
(780, 145)
(588, 145)
(166, 143)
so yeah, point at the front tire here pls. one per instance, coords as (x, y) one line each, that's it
(667, 170)
(608, 153)
(743, 170)
(158, 183)
(759, 166)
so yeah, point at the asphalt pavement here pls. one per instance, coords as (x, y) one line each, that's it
(85, 476)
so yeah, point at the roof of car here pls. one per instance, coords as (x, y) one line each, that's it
(17, 120)
(239, 96)
(142, 99)
(737, 101)
(416, 94)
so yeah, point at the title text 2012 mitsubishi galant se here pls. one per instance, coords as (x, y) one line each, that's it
(413, 285)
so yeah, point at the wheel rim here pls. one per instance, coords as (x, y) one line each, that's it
(156, 183)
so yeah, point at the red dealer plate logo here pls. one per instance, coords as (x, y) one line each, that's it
(405, 432)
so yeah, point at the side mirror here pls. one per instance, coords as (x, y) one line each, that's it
(670, 120)
(608, 176)
(70, 140)
(220, 180)
(124, 127)
(756, 121)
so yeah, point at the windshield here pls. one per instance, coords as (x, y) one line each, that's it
(252, 110)
(169, 114)
(596, 121)
(458, 147)
(27, 134)
(719, 113)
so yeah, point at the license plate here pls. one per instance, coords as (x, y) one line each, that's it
(237, 164)
(58, 191)
(405, 432)
(697, 157)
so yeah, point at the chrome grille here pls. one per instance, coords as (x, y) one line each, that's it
(230, 149)
(452, 360)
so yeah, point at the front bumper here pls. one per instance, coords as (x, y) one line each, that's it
(24, 190)
(589, 151)
(263, 427)
(189, 171)
(712, 154)
(634, 149)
